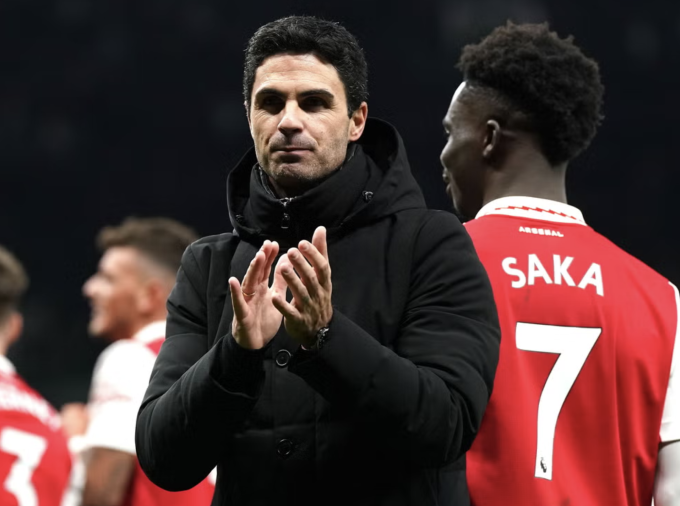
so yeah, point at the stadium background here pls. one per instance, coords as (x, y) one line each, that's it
(117, 108)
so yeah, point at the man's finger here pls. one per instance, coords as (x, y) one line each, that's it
(299, 291)
(271, 251)
(319, 241)
(238, 302)
(279, 286)
(252, 277)
(306, 272)
(318, 261)
(285, 308)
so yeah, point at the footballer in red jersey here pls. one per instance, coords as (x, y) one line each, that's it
(128, 294)
(34, 459)
(586, 404)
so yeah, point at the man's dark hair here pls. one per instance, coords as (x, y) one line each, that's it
(329, 41)
(13, 283)
(547, 78)
(163, 240)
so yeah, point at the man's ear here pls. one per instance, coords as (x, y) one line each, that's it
(492, 139)
(357, 122)
(152, 296)
(12, 328)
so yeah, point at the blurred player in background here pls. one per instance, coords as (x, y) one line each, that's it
(586, 404)
(128, 295)
(34, 459)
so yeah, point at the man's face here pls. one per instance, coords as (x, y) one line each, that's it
(462, 157)
(298, 119)
(113, 292)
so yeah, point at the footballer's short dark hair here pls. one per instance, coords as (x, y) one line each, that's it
(546, 77)
(329, 41)
(162, 240)
(13, 283)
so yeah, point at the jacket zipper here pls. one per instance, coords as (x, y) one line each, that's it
(285, 219)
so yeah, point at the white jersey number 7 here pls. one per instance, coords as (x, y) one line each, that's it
(573, 345)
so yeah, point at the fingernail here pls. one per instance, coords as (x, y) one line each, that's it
(292, 253)
(303, 246)
(285, 271)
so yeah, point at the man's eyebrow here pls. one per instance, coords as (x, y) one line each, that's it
(317, 92)
(304, 94)
(269, 91)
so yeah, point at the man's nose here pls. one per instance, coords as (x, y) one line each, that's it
(291, 121)
(88, 287)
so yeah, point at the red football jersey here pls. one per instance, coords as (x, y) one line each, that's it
(34, 459)
(587, 356)
(118, 386)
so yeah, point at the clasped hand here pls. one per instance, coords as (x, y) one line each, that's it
(259, 308)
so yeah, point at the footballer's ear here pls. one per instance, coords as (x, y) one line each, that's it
(152, 296)
(492, 139)
(12, 328)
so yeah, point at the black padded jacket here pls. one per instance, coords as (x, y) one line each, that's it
(384, 413)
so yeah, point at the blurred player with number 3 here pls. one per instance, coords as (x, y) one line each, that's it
(34, 458)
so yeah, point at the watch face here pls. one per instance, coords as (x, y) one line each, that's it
(321, 337)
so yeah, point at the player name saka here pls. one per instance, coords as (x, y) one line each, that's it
(560, 274)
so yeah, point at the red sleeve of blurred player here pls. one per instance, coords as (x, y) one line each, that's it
(588, 335)
(34, 459)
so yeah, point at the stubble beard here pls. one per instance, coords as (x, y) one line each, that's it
(307, 174)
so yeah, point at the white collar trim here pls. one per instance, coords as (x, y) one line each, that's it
(533, 208)
(6, 366)
(151, 332)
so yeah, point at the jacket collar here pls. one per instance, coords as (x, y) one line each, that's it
(373, 182)
(326, 204)
(533, 208)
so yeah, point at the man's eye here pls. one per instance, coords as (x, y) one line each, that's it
(270, 103)
(314, 102)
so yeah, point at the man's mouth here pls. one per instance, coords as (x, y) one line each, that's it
(447, 182)
(292, 149)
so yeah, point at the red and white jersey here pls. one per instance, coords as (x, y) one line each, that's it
(588, 382)
(119, 382)
(34, 459)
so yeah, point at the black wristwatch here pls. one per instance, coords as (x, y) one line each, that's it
(320, 339)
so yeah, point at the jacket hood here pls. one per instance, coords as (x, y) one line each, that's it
(374, 182)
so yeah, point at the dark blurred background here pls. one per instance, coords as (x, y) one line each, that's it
(117, 108)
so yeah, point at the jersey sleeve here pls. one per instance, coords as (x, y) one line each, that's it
(120, 379)
(670, 421)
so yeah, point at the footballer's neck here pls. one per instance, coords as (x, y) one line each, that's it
(131, 330)
(157, 316)
(527, 174)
